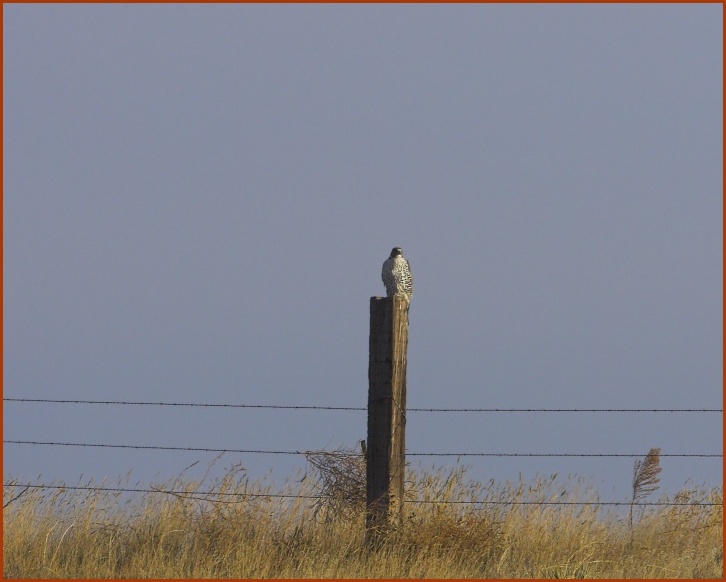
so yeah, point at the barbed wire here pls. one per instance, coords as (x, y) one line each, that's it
(353, 408)
(357, 409)
(414, 501)
(160, 490)
(182, 404)
(410, 454)
(159, 448)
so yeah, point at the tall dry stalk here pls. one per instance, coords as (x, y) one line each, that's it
(645, 479)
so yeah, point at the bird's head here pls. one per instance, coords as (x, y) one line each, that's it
(396, 252)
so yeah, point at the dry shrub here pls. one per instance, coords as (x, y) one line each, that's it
(341, 482)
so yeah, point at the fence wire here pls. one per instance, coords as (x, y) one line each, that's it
(352, 408)
(212, 494)
(410, 454)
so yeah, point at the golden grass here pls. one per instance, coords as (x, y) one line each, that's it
(100, 534)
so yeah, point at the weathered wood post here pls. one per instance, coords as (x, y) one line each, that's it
(386, 446)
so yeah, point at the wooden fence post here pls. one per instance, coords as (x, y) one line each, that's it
(386, 446)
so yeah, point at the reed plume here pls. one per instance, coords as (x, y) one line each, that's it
(645, 478)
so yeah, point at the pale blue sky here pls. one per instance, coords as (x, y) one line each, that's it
(198, 199)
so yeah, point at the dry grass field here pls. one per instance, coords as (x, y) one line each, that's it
(207, 533)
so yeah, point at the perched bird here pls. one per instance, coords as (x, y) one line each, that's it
(396, 275)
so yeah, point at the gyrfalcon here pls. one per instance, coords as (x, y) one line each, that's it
(396, 275)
